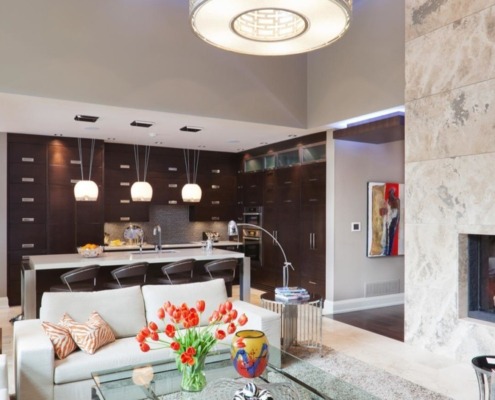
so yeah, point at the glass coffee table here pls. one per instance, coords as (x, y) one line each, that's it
(286, 378)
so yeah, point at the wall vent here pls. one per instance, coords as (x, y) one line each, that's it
(381, 288)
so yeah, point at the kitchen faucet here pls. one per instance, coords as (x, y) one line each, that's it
(158, 230)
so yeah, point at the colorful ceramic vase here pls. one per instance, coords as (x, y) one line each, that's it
(249, 353)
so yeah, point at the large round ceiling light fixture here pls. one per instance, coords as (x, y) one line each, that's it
(273, 27)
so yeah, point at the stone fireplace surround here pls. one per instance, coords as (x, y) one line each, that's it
(449, 175)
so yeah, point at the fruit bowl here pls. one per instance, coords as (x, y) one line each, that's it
(90, 250)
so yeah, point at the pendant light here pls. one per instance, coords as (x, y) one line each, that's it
(270, 27)
(191, 192)
(141, 190)
(86, 190)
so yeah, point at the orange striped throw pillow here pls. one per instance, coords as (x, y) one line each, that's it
(62, 341)
(89, 336)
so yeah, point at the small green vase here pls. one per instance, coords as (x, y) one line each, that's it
(193, 376)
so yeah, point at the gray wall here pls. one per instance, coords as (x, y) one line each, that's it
(364, 71)
(3, 219)
(354, 165)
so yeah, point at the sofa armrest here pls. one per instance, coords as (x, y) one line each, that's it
(34, 361)
(261, 319)
(4, 378)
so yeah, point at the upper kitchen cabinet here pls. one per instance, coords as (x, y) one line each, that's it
(72, 223)
(217, 173)
(120, 174)
(167, 175)
(26, 206)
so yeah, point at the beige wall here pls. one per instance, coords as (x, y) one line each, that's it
(364, 71)
(450, 159)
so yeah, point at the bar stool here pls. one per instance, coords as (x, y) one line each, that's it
(483, 366)
(129, 275)
(177, 272)
(224, 269)
(78, 280)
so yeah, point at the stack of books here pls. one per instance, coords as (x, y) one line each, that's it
(291, 293)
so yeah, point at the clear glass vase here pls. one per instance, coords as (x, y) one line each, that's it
(193, 376)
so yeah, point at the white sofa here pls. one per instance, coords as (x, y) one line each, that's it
(40, 376)
(4, 381)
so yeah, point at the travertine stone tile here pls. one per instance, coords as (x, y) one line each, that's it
(451, 191)
(455, 123)
(424, 16)
(459, 54)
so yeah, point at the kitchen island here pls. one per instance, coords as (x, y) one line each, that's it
(114, 259)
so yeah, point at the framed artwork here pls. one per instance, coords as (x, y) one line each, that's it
(385, 219)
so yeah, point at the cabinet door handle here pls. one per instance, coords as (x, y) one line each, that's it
(287, 201)
(215, 171)
(215, 186)
(74, 181)
(26, 219)
(313, 200)
(172, 185)
(125, 218)
(25, 257)
(172, 169)
(215, 218)
(288, 183)
(27, 159)
(124, 166)
(28, 200)
(124, 201)
(75, 162)
(313, 179)
(27, 179)
(215, 202)
(125, 184)
(27, 245)
(172, 202)
(312, 282)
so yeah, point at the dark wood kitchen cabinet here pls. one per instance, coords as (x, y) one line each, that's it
(72, 223)
(281, 196)
(120, 174)
(312, 227)
(217, 178)
(27, 205)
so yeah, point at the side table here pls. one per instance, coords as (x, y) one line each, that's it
(301, 320)
(484, 366)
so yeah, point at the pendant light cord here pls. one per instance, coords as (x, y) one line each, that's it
(91, 157)
(187, 160)
(147, 151)
(80, 157)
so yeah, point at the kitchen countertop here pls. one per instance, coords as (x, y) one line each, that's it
(148, 246)
(66, 261)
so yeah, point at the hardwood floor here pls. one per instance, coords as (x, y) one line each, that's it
(386, 321)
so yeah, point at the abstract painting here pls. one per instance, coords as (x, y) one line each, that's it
(385, 219)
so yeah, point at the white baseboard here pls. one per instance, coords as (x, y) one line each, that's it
(4, 302)
(362, 303)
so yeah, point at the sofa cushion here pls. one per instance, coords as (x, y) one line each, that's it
(62, 341)
(212, 292)
(91, 335)
(122, 309)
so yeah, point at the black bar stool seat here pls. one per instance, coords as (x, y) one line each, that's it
(78, 280)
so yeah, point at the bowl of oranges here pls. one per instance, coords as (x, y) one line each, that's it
(90, 250)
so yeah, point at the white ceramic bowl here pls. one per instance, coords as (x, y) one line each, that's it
(90, 253)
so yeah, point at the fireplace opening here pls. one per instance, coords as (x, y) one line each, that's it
(481, 275)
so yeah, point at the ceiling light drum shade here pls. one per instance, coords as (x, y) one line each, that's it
(270, 27)
(86, 191)
(191, 193)
(141, 191)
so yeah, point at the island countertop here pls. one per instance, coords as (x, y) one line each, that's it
(64, 261)
(48, 262)
(149, 246)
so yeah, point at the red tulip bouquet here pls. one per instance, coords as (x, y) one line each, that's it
(190, 341)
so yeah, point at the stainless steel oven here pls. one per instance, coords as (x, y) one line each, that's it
(251, 235)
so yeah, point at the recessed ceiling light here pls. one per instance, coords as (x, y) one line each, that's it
(189, 128)
(58, 134)
(263, 143)
(158, 142)
(86, 118)
(292, 136)
(152, 134)
(111, 139)
(233, 141)
(91, 128)
(142, 124)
